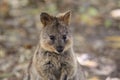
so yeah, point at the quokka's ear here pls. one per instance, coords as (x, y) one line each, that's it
(45, 18)
(65, 17)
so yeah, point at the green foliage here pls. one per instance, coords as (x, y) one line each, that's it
(89, 16)
(92, 11)
(108, 23)
(51, 8)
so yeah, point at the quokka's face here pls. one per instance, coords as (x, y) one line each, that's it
(55, 34)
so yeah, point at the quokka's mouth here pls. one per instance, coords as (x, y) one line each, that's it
(59, 52)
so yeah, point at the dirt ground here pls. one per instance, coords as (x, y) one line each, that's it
(96, 33)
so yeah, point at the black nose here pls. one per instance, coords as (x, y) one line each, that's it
(59, 48)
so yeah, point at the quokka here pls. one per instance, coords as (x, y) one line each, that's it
(54, 58)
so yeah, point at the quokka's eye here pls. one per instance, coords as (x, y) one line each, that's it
(64, 37)
(52, 37)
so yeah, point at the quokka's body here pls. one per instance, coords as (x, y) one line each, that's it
(54, 58)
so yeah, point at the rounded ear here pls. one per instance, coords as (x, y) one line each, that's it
(45, 18)
(65, 17)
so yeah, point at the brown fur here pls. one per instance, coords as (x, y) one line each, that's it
(48, 63)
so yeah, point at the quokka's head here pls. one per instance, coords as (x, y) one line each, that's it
(55, 34)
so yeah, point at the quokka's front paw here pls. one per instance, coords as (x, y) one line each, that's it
(64, 76)
(49, 65)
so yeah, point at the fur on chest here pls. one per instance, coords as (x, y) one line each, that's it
(54, 63)
(54, 60)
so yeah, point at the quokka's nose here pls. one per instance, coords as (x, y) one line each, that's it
(59, 48)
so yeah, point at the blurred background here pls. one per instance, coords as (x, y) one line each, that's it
(96, 30)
